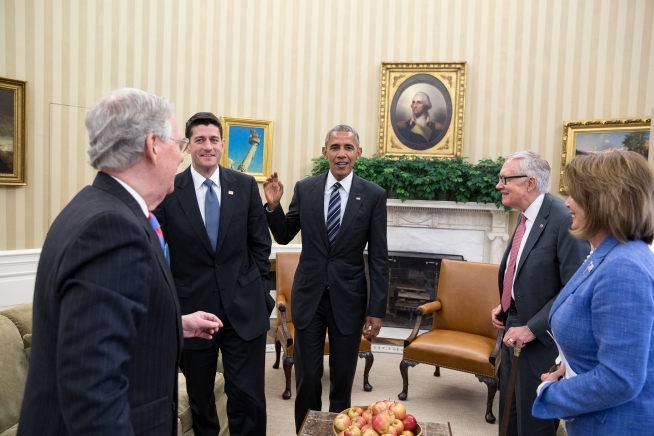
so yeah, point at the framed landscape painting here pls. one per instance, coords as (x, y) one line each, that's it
(13, 131)
(248, 146)
(599, 136)
(421, 109)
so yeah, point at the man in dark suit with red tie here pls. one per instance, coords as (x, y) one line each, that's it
(540, 259)
(219, 255)
(339, 214)
(107, 332)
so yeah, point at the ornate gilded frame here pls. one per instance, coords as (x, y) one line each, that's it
(13, 131)
(598, 135)
(243, 140)
(445, 84)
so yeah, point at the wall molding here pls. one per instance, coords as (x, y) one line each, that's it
(18, 273)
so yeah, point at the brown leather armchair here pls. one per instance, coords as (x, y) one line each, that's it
(286, 264)
(462, 336)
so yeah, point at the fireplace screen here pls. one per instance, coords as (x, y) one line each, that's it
(413, 281)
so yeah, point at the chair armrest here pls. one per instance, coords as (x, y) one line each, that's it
(281, 307)
(496, 350)
(281, 299)
(429, 307)
(420, 311)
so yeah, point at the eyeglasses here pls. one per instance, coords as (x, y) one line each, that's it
(503, 179)
(183, 143)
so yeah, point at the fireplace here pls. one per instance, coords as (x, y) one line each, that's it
(413, 281)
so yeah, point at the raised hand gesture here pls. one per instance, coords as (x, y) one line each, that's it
(273, 189)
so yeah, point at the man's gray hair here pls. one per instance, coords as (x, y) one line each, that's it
(119, 124)
(425, 99)
(342, 128)
(533, 165)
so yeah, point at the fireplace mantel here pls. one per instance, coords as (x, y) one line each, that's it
(479, 232)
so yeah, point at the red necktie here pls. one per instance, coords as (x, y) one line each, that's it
(510, 271)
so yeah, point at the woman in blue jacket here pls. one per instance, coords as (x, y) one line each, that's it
(604, 317)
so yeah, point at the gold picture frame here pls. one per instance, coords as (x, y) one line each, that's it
(440, 134)
(596, 136)
(13, 132)
(248, 146)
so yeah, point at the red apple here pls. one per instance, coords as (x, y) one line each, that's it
(358, 421)
(398, 426)
(398, 409)
(367, 415)
(370, 406)
(410, 422)
(392, 431)
(342, 421)
(369, 432)
(352, 431)
(381, 423)
(391, 415)
(407, 433)
(354, 411)
(379, 407)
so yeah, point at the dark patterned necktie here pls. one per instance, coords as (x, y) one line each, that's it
(157, 229)
(334, 214)
(211, 213)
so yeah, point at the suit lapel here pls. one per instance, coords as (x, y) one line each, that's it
(536, 230)
(188, 200)
(585, 271)
(107, 183)
(228, 198)
(354, 202)
(317, 202)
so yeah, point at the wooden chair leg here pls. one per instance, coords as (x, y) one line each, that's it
(492, 390)
(278, 351)
(370, 359)
(288, 365)
(437, 371)
(404, 370)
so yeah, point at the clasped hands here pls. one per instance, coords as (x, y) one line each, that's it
(514, 336)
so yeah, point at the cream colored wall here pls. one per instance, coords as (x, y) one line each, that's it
(308, 65)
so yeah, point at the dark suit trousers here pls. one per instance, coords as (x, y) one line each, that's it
(521, 421)
(244, 371)
(308, 356)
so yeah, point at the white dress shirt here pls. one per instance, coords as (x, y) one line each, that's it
(531, 213)
(133, 193)
(201, 188)
(344, 191)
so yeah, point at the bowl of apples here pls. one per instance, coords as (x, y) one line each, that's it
(386, 418)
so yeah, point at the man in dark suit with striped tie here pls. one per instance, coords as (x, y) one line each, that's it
(107, 331)
(339, 214)
(219, 255)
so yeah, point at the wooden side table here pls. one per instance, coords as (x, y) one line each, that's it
(320, 424)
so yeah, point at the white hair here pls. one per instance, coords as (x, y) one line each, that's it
(118, 124)
(342, 128)
(533, 165)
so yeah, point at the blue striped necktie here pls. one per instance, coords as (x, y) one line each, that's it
(334, 214)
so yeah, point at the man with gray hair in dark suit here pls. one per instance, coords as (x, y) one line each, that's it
(540, 259)
(107, 329)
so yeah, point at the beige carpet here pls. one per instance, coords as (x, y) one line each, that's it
(454, 396)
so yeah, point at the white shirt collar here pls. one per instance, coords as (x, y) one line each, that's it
(532, 211)
(346, 183)
(133, 193)
(199, 179)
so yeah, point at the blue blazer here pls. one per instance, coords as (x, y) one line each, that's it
(603, 322)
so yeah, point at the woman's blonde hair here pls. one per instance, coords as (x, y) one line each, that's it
(616, 191)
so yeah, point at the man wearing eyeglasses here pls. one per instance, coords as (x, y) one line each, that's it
(219, 247)
(107, 332)
(540, 259)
